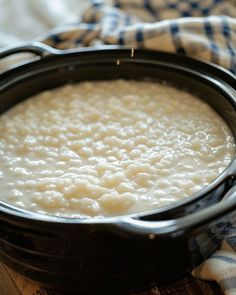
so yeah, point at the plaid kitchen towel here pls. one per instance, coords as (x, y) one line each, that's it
(220, 267)
(203, 29)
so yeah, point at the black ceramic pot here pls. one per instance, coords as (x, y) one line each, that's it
(128, 253)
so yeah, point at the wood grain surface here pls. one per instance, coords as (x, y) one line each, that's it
(12, 283)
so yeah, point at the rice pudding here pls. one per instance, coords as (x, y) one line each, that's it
(108, 148)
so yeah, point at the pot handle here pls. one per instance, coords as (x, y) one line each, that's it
(203, 217)
(37, 48)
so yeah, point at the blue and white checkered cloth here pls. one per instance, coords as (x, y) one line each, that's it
(204, 29)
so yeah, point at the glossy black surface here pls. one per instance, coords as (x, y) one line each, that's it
(125, 254)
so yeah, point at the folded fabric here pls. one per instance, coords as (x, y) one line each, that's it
(171, 25)
(221, 267)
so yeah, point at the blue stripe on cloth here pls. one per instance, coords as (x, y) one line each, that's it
(174, 29)
(228, 284)
(205, 11)
(210, 34)
(226, 32)
(117, 4)
(232, 242)
(194, 5)
(185, 14)
(55, 38)
(81, 38)
(121, 39)
(139, 35)
(172, 5)
(223, 258)
(149, 8)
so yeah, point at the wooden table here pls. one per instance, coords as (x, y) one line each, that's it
(12, 283)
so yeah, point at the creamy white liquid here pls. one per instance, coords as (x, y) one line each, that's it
(109, 148)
